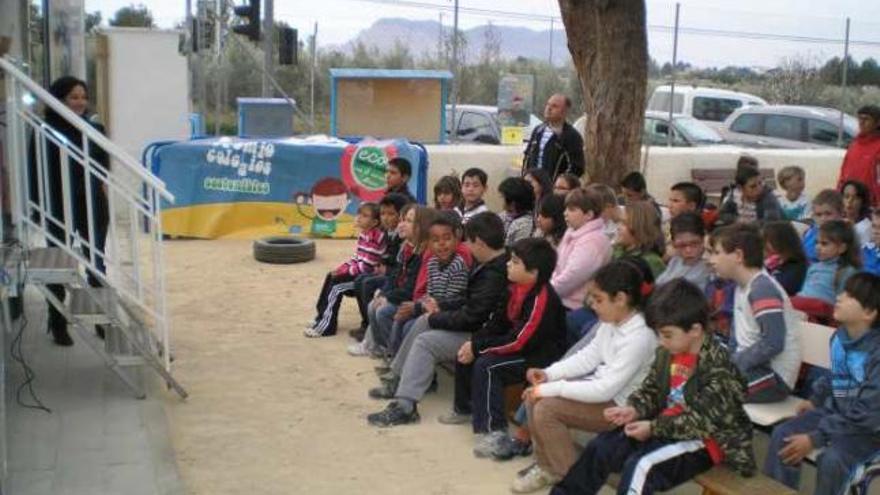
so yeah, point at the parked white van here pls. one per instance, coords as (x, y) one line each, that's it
(701, 103)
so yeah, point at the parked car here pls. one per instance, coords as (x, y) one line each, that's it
(479, 124)
(686, 131)
(788, 126)
(701, 103)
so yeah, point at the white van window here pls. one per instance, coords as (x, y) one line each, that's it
(748, 124)
(821, 132)
(660, 102)
(783, 127)
(714, 109)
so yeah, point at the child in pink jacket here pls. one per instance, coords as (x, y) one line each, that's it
(583, 250)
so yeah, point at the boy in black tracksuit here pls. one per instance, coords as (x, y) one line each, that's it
(526, 331)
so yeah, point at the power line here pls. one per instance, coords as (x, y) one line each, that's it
(696, 31)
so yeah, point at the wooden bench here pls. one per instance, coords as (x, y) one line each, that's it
(815, 352)
(722, 481)
(713, 180)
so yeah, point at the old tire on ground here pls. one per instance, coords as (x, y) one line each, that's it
(284, 249)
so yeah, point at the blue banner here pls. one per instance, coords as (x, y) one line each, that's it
(248, 188)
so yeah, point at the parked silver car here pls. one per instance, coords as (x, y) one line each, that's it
(788, 126)
(479, 124)
(686, 130)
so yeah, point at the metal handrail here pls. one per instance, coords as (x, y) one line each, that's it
(139, 281)
(85, 128)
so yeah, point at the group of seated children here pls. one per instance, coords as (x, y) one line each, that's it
(623, 323)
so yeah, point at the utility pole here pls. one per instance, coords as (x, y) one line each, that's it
(189, 54)
(440, 38)
(843, 85)
(454, 125)
(314, 70)
(672, 85)
(551, 42)
(268, 45)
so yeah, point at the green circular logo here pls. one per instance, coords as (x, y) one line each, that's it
(368, 167)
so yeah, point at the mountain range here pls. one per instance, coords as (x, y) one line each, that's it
(422, 38)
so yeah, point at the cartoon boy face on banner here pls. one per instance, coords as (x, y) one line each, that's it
(329, 199)
(363, 168)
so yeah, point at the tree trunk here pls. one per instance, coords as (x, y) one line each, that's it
(609, 45)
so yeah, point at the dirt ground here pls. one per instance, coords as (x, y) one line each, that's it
(272, 412)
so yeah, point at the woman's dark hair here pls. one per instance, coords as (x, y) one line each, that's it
(518, 194)
(784, 239)
(863, 193)
(865, 288)
(842, 232)
(634, 181)
(677, 303)
(692, 193)
(573, 181)
(688, 222)
(552, 206)
(536, 254)
(624, 275)
(449, 184)
(543, 178)
(60, 88)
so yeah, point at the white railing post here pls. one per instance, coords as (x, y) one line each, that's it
(48, 143)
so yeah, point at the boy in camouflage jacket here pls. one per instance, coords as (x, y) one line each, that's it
(685, 418)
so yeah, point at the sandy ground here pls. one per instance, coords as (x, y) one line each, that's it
(272, 412)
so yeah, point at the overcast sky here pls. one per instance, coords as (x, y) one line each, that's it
(340, 20)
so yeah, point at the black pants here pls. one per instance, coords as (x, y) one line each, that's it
(655, 465)
(479, 388)
(334, 289)
(364, 288)
(100, 221)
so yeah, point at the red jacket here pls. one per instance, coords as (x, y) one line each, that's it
(861, 162)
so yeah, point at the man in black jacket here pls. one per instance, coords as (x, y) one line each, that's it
(437, 336)
(555, 145)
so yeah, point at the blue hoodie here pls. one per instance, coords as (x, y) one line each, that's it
(850, 397)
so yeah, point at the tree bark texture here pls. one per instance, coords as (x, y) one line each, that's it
(609, 45)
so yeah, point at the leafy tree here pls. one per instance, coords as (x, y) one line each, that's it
(133, 16)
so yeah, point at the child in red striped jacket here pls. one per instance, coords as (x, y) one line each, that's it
(371, 245)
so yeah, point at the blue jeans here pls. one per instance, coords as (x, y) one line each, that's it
(381, 323)
(833, 466)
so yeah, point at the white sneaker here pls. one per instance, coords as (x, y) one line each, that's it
(358, 349)
(485, 443)
(312, 333)
(533, 480)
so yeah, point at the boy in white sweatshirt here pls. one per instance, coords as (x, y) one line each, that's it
(574, 392)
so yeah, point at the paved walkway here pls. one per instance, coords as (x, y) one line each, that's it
(98, 439)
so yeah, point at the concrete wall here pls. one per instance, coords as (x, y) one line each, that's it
(148, 89)
(665, 166)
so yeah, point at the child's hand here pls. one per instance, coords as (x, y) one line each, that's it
(405, 311)
(466, 353)
(796, 448)
(804, 406)
(531, 395)
(536, 376)
(430, 305)
(380, 301)
(638, 430)
(620, 415)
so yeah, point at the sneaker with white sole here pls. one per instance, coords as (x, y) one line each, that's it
(486, 444)
(533, 480)
(454, 418)
(358, 349)
(312, 333)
